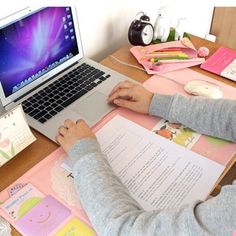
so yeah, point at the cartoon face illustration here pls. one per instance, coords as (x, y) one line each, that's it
(44, 217)
(12, 214)
(23, 197)
(27, 205)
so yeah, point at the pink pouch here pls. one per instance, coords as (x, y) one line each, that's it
(143, 54)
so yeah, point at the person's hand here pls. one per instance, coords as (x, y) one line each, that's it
(70, 132)
(132, 96)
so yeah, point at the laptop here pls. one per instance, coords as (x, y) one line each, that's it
(42, 66)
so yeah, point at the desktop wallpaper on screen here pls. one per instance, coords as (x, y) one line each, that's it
(34, 45)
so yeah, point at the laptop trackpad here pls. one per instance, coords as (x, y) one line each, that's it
(93, 107)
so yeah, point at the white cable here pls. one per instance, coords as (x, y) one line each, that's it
(126, 64)
(137, 67)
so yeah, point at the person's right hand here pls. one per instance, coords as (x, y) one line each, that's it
(132, 96)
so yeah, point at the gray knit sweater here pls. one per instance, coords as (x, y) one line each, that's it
(111, 209)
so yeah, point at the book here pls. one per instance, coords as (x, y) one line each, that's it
(222, 62)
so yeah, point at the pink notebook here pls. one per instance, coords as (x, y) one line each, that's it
(222, 62)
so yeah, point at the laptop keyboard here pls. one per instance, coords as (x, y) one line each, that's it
(45, 104)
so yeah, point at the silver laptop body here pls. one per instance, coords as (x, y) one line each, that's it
(30, 64)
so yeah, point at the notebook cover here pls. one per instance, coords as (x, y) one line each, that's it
(219, 60)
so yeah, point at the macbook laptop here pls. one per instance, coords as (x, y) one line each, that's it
(42, 66)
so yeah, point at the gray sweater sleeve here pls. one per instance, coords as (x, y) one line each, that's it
(112, 211)
(206, 116)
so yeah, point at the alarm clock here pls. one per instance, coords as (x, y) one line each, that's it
(141, 31)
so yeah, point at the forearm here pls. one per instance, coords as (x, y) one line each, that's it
(207, 116)
(113, 211)
(103, 196)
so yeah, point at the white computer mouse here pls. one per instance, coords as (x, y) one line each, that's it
(203, 88)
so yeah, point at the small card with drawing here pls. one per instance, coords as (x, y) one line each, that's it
(176, 133)
(44, 217)
(15, 134)
(22, 201)
(75, 227)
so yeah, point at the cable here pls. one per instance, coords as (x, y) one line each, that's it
(126, 64)
(137, 67)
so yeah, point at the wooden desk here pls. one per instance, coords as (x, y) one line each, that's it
(43, 146)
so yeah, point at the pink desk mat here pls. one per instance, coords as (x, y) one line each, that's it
(217, 150)
(50, 178)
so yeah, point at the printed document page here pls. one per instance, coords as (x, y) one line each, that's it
(158, 173)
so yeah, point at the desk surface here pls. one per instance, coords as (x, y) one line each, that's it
(42, 147)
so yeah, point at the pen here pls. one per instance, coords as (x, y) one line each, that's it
(156, 55)
(180, 57)
(197, 59)
(169, 49)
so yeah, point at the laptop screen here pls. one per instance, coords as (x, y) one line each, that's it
(34, 45)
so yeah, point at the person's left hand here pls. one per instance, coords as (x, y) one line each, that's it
(71, 132)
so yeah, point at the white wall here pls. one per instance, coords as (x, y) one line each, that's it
(104, 23)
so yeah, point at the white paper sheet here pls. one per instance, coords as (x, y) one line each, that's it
(158, 173)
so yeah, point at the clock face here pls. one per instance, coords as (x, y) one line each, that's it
(147, 34)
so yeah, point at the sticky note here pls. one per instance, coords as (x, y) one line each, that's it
(22, 201)
(43, 218)
(75, 227)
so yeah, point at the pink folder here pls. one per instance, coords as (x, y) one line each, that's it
(142, 54)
